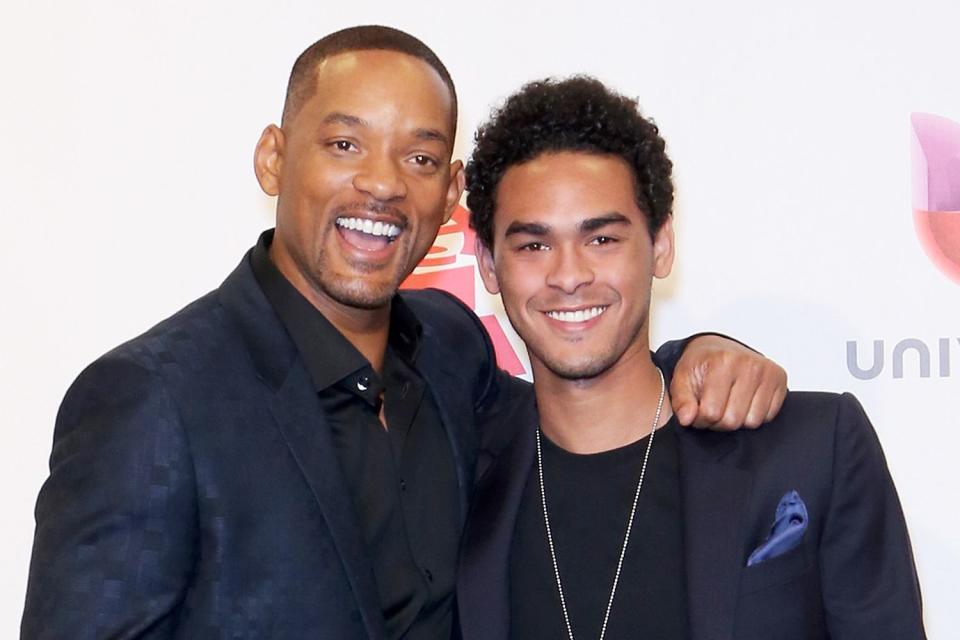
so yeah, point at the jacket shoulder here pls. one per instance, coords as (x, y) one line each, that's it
(452, 332)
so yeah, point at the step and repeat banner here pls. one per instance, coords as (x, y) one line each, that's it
(817, 162)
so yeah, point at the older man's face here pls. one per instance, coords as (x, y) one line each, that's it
(364, 178)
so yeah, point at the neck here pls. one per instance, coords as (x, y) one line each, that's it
(366, 329)
(602, 413)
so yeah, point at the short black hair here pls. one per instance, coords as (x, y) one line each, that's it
(303, 79)
(576, 114)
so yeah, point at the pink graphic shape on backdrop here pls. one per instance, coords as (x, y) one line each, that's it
(446, 266)
(935, 152)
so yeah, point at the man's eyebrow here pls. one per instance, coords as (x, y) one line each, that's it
(593, 224)
(338, 117)
(529, 228)
(429, 135)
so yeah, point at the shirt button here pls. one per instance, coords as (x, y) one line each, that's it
(363, 383)
(403, 485)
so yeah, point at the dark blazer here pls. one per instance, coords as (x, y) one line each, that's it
(851, 577)
(194, 491)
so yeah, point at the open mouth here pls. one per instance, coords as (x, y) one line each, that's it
(579, 315)
(366, 234)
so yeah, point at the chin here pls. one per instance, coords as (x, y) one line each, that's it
(360, 293)
(578, 368)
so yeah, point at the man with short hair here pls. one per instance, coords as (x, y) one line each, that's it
(594, 514)
(292, 455)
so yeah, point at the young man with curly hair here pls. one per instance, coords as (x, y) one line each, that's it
(595, 515)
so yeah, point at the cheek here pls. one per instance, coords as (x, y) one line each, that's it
(519, 283)
(315, 179)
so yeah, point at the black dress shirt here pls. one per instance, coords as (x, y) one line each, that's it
(402, 479)
(589, 498)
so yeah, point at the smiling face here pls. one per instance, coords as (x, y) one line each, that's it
(573, 261)
(364, 178)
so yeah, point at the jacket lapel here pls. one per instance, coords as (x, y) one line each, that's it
(483, 588)
(296, 409)
(715, 496)
(457, 416)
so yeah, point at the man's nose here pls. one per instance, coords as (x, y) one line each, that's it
(569, 270)
(381, 178)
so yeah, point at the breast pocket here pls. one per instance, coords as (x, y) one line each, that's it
(775, 571)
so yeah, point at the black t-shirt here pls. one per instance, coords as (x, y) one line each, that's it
(589, 498)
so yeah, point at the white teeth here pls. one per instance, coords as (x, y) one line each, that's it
(580, 315)
(370, 227)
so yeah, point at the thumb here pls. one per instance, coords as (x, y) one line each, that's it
(683, 397)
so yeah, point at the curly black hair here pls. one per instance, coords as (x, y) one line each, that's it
(576, 114)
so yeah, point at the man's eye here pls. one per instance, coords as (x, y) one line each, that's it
(534, 246)
(602, 240)
(344, 145)
(422, 160)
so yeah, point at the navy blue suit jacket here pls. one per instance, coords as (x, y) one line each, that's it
(851, 577)
(194, 491)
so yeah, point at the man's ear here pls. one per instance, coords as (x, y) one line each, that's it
(268, 159)
(455, 188)
(663, 249)
(485, 263)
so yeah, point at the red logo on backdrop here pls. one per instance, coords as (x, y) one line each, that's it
(451, 265)
(936, 190)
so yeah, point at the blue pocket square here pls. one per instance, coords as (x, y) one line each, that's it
(786, 532)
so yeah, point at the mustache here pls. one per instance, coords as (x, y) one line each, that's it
(372, 207)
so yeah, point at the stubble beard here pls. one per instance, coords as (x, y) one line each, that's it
(358, 291)
(589, 366)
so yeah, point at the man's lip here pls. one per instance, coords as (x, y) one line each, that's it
(376, 227)
(374, 217)
(578, 315)
(579, 307)
(365, 244)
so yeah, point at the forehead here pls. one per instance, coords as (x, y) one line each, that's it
(385, 87)
(566, 187)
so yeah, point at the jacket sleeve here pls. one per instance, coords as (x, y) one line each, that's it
(116, 519)
(869, 582)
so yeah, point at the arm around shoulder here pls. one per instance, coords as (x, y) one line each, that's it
(869, 581)
(116, 519)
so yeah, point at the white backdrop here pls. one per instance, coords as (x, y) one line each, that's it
(127, 190)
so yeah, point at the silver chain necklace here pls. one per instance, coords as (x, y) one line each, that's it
(626, 537)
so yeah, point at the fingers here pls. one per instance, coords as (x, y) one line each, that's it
(718, 383)
(685, 391)
(684, 400)
(779, 395)
(740, 392)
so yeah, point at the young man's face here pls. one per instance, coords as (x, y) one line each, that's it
(573, 260)
(363, 175)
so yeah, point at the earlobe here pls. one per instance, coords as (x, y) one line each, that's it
(268, 159)
(485, 264)
(455, 188)
(663, 249)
